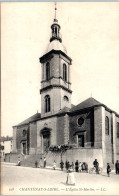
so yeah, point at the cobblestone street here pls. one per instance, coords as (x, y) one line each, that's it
(23, 180)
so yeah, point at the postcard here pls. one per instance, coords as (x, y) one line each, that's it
(60, 92)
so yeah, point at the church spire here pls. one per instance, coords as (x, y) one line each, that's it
(55, 20)
(55, 29)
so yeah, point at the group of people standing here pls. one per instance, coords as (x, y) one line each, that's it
(116, 168)
(77, 166)
(97, 168)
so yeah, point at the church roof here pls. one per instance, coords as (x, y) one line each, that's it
(32, 118)
(90, 102)
(56, 45)
(63, 110)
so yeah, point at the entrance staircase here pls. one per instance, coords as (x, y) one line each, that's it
(30, 160)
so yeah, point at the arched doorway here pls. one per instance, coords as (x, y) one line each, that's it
(45, 134)
(24, 147)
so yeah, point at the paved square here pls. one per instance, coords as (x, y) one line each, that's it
(36, 181)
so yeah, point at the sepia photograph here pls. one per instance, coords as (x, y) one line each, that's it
(59, 98)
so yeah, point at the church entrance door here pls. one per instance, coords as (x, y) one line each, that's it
(24, 147)
(80, 140)
(46, 142)
(45, 134)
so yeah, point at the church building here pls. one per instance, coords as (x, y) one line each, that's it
(84, 132)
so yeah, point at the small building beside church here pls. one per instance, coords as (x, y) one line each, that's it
(90, 130)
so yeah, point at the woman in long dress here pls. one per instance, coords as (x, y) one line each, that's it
(54, 165)
(70, 177)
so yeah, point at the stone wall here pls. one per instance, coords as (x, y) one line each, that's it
(14, 148)
(108, 146)
(33, 137)
(13, 157)
(60, 130)
(20, 136)
(87, 127)
(50, 123)
(87, 155)
(98, 127)
(116, 139)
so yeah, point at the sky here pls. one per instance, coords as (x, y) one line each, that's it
(90, 33)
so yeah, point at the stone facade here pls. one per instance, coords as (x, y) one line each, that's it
(90, 128)
(117, 137)
(55, 87)
(22, 139)
(86, 129)
(65, 128)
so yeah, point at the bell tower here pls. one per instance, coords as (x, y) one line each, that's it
(55, 83)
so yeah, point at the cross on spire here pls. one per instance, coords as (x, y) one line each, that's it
(55, 10)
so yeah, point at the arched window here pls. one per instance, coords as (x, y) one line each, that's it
(56, 31)
(24, 132)
(47, 71)
(64, 72)
(47, 103)
(66, 98)
(107, 125)
(80, 121)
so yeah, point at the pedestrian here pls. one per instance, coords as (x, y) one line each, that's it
(62, 165)
(95, 163)
(70, 177)
(97, 168)
(83, 166)
(86, 167)
(76, 166)
(54, 165)
(19, 162)
(66, 165)
(44, 162)
(40, 163)
(108, 169)
(72, 166)
(80, 167)
(117, 167)
(36, 164)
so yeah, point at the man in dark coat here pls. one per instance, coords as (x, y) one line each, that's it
(117, 167)
(108, 169)
(62, 165)
(95, 163)
(77, 166)
(66, 165)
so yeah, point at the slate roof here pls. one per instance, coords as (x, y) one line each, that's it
(90, 102)
(63, 110)
(32, 118)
